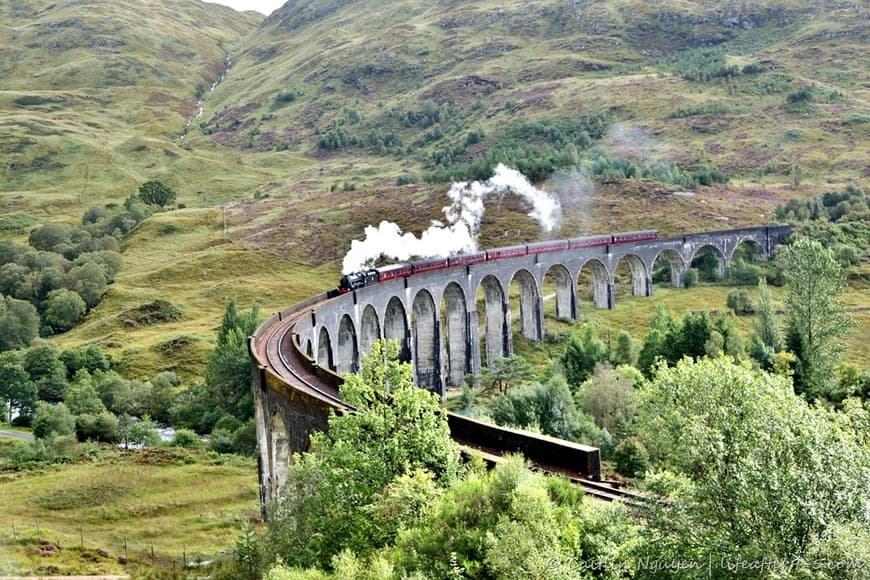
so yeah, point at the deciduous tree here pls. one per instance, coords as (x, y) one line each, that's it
(769, 473)
(156, 193)
(817, 319)
(16, 388)
(328, 501)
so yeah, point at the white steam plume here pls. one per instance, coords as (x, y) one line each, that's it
(463, 217)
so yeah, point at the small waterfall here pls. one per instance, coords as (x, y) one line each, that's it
(191, 123)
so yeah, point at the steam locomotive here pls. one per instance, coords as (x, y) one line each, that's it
(371, 276)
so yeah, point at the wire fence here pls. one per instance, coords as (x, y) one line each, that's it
(50, 541)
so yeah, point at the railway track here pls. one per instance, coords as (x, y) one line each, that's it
(609, 491)
(287, 362)
(283, 357)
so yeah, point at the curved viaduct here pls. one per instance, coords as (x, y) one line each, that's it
(441, 319)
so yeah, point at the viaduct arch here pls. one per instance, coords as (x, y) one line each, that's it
(448, 322)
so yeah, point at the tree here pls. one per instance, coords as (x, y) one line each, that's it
(817, 319)
(140, 432)
(505, 372)
(228, 373)
(156, 193)
(91, 358)
(512, 523)
(19, 323)
(549, 408)
(63, 309)
(17, 389)
(88, 280)
(51, 237)
(103, 427)
(53, 420)
(583, 352)
(47, 371)
(626, 350)
(81, 397)
(766, 327)
(607, 397)
(328, 500)
(752, 453)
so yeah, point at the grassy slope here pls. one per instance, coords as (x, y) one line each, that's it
(151, 499)
(528, 61)
(502, 62)
(93, 97)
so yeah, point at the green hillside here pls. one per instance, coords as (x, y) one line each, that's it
(94, 95)
(366, 70)
(337, 114)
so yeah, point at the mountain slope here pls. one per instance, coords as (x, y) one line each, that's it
(93, 95)
(366, 66)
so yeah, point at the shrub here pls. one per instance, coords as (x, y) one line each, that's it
(187, 439)
(102, 427)
(63, 309)
(285, 97)
(690, 278)
(156, 193)
(155, 312)
(221, 441)
(245, 438)
(632, 458)
(52, 420)
(22, 421)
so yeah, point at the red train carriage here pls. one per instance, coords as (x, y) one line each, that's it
(394, 271)
(641, 235)
(590, 241)
(466, 259)
(507, 252)
(549, 246)
(429, 265)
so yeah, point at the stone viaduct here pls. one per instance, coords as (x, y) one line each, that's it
(452, 320)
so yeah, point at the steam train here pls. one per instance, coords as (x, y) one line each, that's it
(371, 276)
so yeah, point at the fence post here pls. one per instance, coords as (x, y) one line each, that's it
(125, 548)
(38, 536)
(82, 537)
(14, 531)
(184, 554)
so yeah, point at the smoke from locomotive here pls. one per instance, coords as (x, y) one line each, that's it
(463, 217)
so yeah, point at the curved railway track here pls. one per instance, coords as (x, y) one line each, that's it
(277, 349)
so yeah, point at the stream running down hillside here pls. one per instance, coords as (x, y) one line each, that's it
(191, 123)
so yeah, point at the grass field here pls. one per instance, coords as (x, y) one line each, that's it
(75, 519)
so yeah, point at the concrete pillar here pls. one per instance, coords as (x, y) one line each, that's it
(677, 271)
(427, 343)
(396, 328)
(280, 453)
(370, 330)
(456, 334)
(529, 312)
(264, 467)
(538, 316)
(497, 319)
(601, 292)
(611, 297)
(347, 352)
(507, 338)
(472, 347)
(324, 350)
